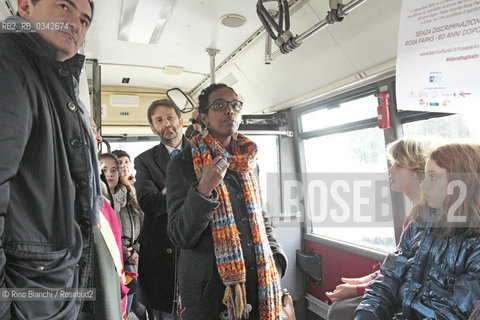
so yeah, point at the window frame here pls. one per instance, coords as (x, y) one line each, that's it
(395, 132)
(336, 100)
(397, 119)
(251, 135)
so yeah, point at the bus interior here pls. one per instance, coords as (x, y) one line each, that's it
(312, 96)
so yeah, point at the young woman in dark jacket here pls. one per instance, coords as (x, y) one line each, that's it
(230, 262)
(436, 271)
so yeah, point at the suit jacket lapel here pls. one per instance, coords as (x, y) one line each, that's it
(185, 143)
(161, 158)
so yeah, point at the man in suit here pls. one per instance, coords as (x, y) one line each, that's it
(157, 254)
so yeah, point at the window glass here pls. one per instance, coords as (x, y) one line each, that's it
(354, 151)
(267, 161)
(457, 126)
(133, 148)
(347, 191)
(345, 112)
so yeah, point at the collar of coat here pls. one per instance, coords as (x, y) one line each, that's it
(36, 46)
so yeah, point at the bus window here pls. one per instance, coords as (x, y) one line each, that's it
(450, 127)
(337, 114)
(267, 161)
(351, 153)
(133, 148)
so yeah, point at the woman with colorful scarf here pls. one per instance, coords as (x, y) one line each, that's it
(230, 263)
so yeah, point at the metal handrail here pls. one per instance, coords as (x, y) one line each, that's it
(294, 42)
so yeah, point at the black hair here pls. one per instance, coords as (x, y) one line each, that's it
(121, 153)
(205, 94)
(110, 156)
(163, 102)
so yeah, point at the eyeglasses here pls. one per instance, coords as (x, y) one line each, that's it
(221, 105)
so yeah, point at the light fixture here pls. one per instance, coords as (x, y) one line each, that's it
(233, 20)
(173, 70)
(142, 21)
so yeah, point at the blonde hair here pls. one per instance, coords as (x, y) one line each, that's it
(411, 152)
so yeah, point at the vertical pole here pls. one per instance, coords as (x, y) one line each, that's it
(268, 49)
(212, 53)
(97, 94)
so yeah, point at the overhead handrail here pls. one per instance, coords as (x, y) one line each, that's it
(268, 21)
(282, 27)
(285, 39)
(249, 41)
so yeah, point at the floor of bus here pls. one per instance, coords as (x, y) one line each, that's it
(301, 312)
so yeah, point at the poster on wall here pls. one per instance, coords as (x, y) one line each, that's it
(438, 60)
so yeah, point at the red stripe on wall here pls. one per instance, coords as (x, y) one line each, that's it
(336, 264)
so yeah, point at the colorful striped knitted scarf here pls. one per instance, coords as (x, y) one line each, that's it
(228, 251)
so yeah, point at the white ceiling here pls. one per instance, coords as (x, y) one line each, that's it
(192, 27)
(366, 38)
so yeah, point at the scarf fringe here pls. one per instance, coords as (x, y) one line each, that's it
(236, 301)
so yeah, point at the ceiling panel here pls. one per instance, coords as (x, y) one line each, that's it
(147, 77)
(317, 62)
(6, 6)
(192, 27)
(367, 37)
(378, 21)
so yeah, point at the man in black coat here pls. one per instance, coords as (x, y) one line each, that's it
(156, 265)
(49, 186)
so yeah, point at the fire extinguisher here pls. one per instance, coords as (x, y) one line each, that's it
(382, 110)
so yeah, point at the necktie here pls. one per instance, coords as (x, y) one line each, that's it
(174, 153)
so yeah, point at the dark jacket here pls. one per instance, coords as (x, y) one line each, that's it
(156, 265)
(45, 208)
(428, 277)
(128, 217)
(201, 288)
